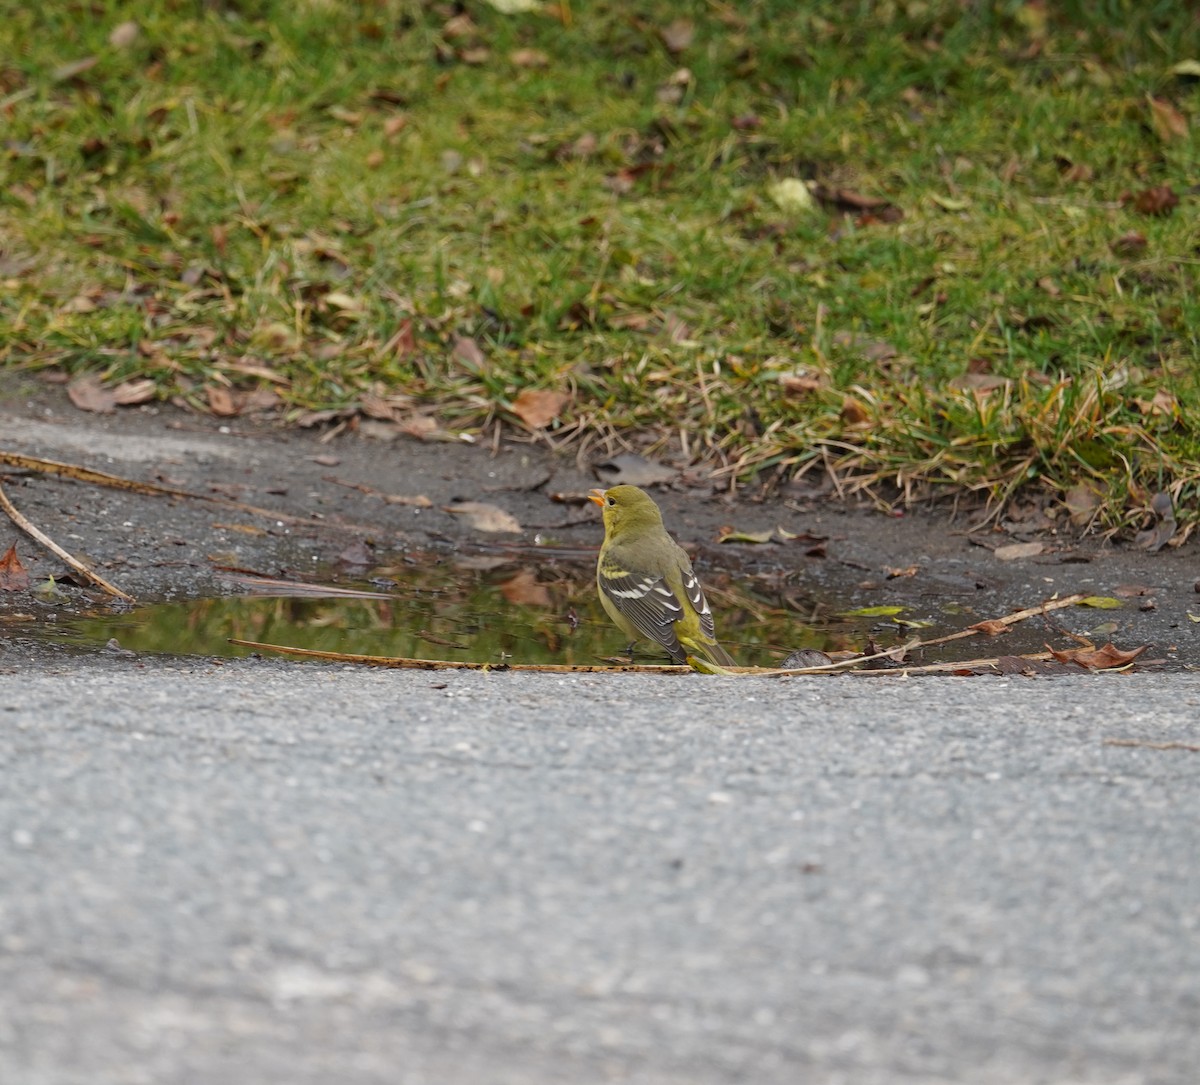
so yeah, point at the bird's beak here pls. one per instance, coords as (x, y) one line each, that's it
(597, 496)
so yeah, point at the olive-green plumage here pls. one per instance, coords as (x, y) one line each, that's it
(646, 582)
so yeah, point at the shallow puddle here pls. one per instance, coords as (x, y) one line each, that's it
(488, 608)
(474, 608)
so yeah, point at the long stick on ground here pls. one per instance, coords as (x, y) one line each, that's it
(116, 482)
(35, 533)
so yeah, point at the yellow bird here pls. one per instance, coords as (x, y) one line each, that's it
(646, 581)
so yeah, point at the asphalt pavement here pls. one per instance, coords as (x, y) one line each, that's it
(266, 871)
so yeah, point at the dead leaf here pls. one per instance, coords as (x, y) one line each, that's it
(1097, 659)
(416, 501)
(1017, 551)
(873, 350)
(854, 413)
(467, 351)
(991, 627)
(88, 394)
(802, 658)
(529, 58)
(1101, 602)
(1129, 244)
(894, 573)
(356, 553)
(124, 34)
(791, 195)
(484, 517)
(979, 382)
(1168, 123)
(538, 407)
(378, 407)
(1163, 403)
(950, 203)
(130, 393)
(677, 36)
(1082, 502)
(13, 575)
(732, 535)
(221, 401)
(1159, 200)
(800, 384)
(633, 470)
(843, 199)
(1157, 536)
(73, 68)
(523, 590)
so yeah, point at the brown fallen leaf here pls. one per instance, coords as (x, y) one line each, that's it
(416, 501)
(123, 35)
(1097, 659)
(991, 627)
(538, 407)
(677, 36)
(356, 553)
(1163, 403)
(853, 412)
(1159, 200)
(524, 590)
(1082, 502)
(846, 200)
(73, 68)
(1168, 123)
(798, 384)
(1156, 537)
(221, 401)
(13, 575)
(529, 58)
(88, 394)
(631, 469)
(1017, 551)
(484, 517)
(1130, 244)
(467, 351)
(895, 573)
(131, 393)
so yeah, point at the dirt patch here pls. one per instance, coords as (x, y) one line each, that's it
(353, 497)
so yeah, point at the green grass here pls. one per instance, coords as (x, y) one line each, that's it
(331, 195)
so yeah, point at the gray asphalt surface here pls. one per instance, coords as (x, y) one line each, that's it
(265, 871)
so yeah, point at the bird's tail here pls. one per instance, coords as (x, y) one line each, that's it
(710, 650)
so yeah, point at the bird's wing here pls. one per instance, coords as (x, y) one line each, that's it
(648, 604)
(695, 594)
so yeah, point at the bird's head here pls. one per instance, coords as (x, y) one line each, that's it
(625, 507)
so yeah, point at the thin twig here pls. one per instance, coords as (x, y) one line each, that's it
(405, 663)
(35, 533)
(1152, 745)
(116, 482)
(1008, 619)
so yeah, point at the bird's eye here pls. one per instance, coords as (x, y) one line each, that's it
(611, 501)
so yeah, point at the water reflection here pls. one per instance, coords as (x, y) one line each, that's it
(477, 608)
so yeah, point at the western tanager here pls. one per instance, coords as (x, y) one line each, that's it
(646, 581)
